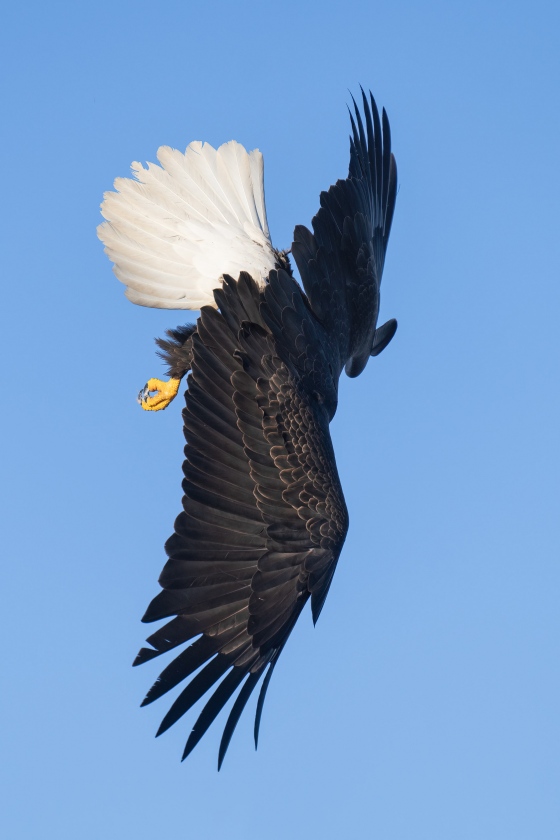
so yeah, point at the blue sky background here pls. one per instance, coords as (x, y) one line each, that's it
(425, 705)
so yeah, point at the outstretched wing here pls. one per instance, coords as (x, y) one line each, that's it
(178, 228)
(264, 517)
(341, 262)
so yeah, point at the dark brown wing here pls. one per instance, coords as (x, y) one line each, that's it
(341, 262)
(264, 517)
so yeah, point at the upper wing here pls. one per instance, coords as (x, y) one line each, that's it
(178, 228)
(341, 262)
(264, 517)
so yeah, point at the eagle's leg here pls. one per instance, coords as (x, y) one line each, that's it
(164, 392)
(177, 352)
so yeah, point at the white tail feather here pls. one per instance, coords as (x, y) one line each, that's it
(179, 227)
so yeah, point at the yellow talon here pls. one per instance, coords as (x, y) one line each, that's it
(164, 393)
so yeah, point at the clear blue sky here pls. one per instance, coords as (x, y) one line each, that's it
(425, 704)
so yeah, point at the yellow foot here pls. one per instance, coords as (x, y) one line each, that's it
(164, 393)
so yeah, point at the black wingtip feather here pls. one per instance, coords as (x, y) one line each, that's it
(360, 141)
(212, 672)
(391, 199)
(144, 655)
(262, 695)
(235, 714)
(213, 707)
(356, 136)
(183, 666)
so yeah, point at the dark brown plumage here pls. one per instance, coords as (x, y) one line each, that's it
(264, 518)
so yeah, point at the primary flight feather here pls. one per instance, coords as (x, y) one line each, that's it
(264, 518)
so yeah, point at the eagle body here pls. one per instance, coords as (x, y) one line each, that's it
(264, 517)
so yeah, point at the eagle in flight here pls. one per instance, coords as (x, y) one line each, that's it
(264, 518)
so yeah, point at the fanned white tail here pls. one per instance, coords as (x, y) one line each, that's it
(178, 228)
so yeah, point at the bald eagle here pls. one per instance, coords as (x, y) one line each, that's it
(264, 518)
